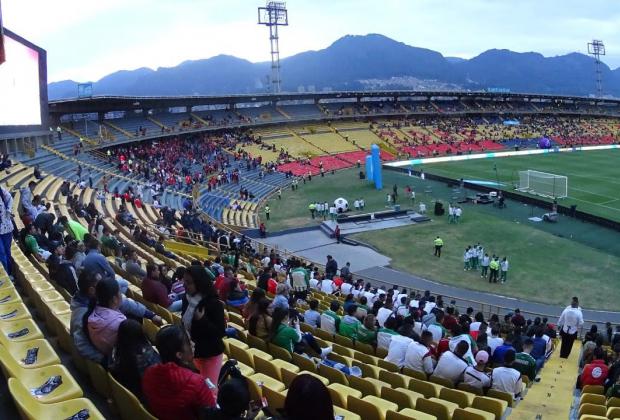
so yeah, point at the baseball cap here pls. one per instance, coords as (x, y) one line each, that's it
(482, 356)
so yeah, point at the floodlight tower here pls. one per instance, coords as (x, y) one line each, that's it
(274, 14)
(596, 48)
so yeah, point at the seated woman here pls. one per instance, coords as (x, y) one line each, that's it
(290, 337)
(308, 399)
(102, 320)
(248, 310)
(154, 291)
(259, 323)
(173, 388)
(131, 356)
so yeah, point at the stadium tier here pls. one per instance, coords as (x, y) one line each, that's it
(164, 194)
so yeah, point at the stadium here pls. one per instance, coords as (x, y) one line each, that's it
(124, 214)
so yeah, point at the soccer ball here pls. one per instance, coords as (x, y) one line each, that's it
(341, 205)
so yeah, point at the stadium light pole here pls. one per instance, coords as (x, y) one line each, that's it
(274, 14)
(596, 48)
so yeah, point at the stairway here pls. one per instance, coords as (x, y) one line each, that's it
(120, 130)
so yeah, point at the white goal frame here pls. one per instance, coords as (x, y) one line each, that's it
(543, 184)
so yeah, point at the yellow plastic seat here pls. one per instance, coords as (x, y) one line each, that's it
(613, 413)
(99, 378)
(414, 374)
(613, 402)
(59, 307)
(491, 405)
(368, 370)
(27, 325)
(428, 389)
(257, 343)
(32, 409)
(384, 364)
(252, 352)
(593, 389)
(397, 380)
(501, 395)
(441, 381)
(340, 393)
(8, 296)
(471, 389)
(279, 353)
(333, 375)
(367, 386)
(365, 409)
(404, 398)
(303, 362)
(46, 355)
(592, 417)
(13, 312)
(129, 407)
(345, 414)
(266, 367)
(593, 399)
(461, 398)
(383, 405)
(34, 378)
(471, 414)
(281, 364)
(408, 414)
(264, 380)
(275, 399)
(592, 409)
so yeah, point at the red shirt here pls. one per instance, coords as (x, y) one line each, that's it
(155, 292)
(271, 286)
(174, 392)
(594, 373)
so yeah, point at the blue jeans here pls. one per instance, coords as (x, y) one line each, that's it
(176, 306)
(122, 284)
(5, 251)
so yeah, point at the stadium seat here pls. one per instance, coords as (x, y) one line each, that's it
(99, 378)
(471, 414)
(501, 395)
(13, 311)
(613, 413)
(32, 409)
(461, 398)
(36, 377)
(592, 399)
(439, 408)
(397, 380)
(408, 414)
(340, 393)
(46, 355)
(128, 405)
(428, 389)
(593, 389)
(441, 381)
(21, 330)
(468, 388)
(613, 402)
(366, 410)
(404, 398)
(275, 399)
(491, 405)
(346, 414)
(333, 375)
(592, 409)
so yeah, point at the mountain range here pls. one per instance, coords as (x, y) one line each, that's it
(351, 62)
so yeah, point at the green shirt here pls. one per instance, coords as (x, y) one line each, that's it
(77, 230)
(366, 336)
(286, 337)
(109, 242)
(349, 327)
(438, 242)
(525, 364)
(494, 265)
(31, 244)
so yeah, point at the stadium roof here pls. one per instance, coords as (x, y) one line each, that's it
(125, 103)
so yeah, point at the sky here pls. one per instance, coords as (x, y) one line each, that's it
(87, 39)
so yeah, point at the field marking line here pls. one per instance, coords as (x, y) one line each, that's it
(595, 204)
(610, 201)
(591, 193)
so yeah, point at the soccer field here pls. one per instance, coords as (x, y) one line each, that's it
(549, 262)
(593, 176)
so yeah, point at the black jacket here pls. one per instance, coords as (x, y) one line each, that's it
(207, 333)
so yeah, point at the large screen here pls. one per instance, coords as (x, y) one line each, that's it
(20, 96)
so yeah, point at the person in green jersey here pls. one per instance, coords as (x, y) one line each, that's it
(349, 325)
(334, 306)
(524, 361)
(288, 335)
(367, 332)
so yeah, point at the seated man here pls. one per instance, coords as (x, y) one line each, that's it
(506, 378)
(524, 362)
(32, 246)
(475, 376)
(451, 365)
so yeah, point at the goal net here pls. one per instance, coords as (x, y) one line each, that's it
(543, 184)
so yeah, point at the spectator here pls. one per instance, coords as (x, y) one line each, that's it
(385, 333)
(203, 318)
(308, 399)
(173, 389)
(500, 351)
(419, 354)
(132, 355)
(525, 363)
(291, 338)
(331, 267)
(506, 378)
(518, 320)
(570, 321)
(250, 308)
(154, 291)
(132, 264)
(75, 229)
(451, 365)
(350, 325)
(6, 229)
(595, 372)
(259, 323)
(367, 332)
(62, 271)
(32, 246)
(104, 318)
(476, 376)
(312, 317)
(330, 320)
(95, 262)
(281, 298)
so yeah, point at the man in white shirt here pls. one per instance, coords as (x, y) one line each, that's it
(570, 322)
(451, 365)
(383, 314)
(494, 340)
(507, 379)
(418, 355)
(266, 261)
(475, 376)
(328, 286)
(398, 349)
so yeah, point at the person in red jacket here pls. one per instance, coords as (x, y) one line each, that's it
(173, 388)
(595, 372)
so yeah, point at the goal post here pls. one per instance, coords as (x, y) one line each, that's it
(543, 184)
